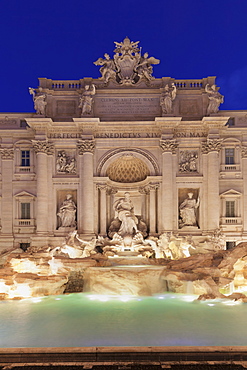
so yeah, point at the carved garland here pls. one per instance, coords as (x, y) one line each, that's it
(86, 146)
(211, 145)
(7, 153)
(169, 146)
(43, 147)
(244, 151)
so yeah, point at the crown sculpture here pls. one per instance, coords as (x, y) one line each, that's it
(128, 66)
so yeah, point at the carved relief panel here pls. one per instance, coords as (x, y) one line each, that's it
(188, 161)
(65, 162)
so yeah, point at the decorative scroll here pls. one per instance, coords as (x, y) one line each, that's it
(211, 145)
(86, 146)
(168, 146)
(7, 153)
(43, 147)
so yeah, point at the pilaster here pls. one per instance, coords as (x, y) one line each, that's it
(42, 148)
(86, 189)
(7, 155)
(168, 147)
(244, 172)
(212, 148)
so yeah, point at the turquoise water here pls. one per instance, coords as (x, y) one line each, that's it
(83, 320)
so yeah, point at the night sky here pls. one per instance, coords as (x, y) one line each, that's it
(61, 39)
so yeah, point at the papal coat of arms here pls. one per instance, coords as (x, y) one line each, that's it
(128, 66)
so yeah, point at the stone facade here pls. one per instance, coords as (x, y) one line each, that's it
(92, 140)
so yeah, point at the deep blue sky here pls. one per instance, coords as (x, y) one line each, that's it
(61, 39)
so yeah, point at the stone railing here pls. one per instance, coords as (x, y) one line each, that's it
(230, 167)
(24, 169)
(231, 221)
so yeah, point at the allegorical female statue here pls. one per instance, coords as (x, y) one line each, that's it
(188, 211)
(67, 212)
(86, 100)
(125, 213)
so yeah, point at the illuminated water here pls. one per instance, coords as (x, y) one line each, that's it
(80, 320)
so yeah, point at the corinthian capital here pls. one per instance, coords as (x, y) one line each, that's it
(7, 153)
(211, 145)
(169, 146)
(43, 147)
(85, 146)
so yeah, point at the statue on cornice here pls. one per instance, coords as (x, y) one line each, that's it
(39, 100)
(128, 66)
(215, 99)
(167, 97)
(86, 100)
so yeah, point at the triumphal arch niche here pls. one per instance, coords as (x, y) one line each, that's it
(124, 153)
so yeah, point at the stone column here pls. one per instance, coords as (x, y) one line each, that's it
(86, 190)
(103, 211)
(7, 195)
(153, 209)
(42, 149)
(212, 148)
(168, 148)
(244, 171)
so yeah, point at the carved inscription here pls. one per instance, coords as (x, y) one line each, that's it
(127, 106)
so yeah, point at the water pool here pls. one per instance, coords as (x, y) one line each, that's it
(84, 320)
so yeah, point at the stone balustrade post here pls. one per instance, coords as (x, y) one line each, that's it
(86, 189)
(42, 149)
(168, 148)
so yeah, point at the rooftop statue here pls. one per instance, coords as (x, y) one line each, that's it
(215, 99)
(128, 66)
(39, 100)
(86, 100)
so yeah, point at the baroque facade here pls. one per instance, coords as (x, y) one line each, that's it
(163, 141)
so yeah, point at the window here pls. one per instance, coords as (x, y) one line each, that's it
(230, 208)
(25, 158)
(25, 211)
(229, 156)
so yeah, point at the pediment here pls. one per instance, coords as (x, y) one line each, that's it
(24, 194)
(231, 193)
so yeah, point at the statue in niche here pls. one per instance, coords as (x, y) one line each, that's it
(65, 164)
(67, 212)
(215, 99)
(86, 100)
(188, 211)
(188, 161)
(125, 213)
(39, 101)
(167, 97)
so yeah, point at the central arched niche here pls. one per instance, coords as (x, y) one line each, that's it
(134, 158)
(127, 169)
